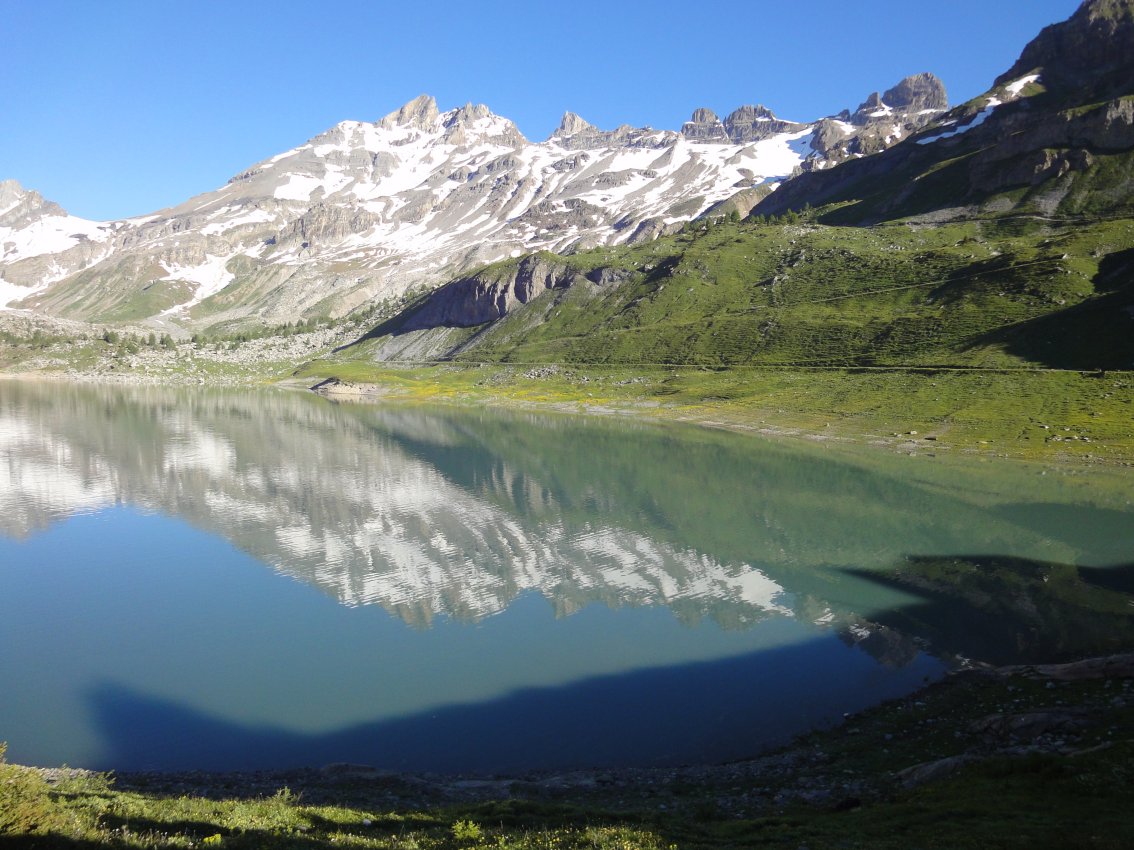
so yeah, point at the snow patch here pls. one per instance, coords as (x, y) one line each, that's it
(977, 120)
(51, 234)
(210, 276)
(10, 293)
(254, 216)
(1016, 86)
(298, 187)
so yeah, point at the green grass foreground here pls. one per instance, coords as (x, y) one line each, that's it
(841, 788)
(1026, 414)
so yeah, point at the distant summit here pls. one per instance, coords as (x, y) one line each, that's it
(420, 112)
(571, 125)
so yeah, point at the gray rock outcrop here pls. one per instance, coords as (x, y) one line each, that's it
(421, 112)
(704, 126)
(756, 123)
(490, 294)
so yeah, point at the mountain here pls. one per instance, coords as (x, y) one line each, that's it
(1053, 136)
(40, 243)
(949, 274)
(367, 211)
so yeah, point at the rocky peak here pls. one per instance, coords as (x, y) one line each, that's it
(421, 112)
(917, 93)
(11, 193)
(576, 134)
(1092, 50)
(759, 112)
(882, 120)
(467, 114)
(704, 126)
(478, 122)
(18, 206)
(871, 104)
(570, 125)
(914, 94)
(754, 123)
(1047, 143)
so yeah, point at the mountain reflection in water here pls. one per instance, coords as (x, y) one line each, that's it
(456, 514)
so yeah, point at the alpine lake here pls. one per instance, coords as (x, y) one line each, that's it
(231, 580)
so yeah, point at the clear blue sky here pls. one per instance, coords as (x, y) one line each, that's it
(116, 108)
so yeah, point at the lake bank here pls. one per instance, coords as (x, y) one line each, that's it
(1048, 416)
(1038, 414)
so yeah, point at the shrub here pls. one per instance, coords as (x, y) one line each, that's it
(467, 830)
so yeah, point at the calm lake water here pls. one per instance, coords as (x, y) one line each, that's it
(252, 580)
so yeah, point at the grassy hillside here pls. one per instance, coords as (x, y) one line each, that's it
(1009, 335)
(999, 293)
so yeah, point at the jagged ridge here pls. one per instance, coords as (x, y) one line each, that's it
(366, 211)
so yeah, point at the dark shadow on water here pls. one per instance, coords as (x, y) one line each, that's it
(699, 712)
(1005, 610)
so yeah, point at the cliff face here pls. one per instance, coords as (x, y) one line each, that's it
(1090, 54)
(491, 293)
(1046, 127)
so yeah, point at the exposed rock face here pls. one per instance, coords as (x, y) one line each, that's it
(420, 112)
(19, 206)
(576, 134)
(880, 121)
(704, 126)
(40, 243)
(917, 93)
(572, 125)
(1092, 51)
(744, 125)
(755, 123)
(327, 223)
(914, 94)
(490, 294)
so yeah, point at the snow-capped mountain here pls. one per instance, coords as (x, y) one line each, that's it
(366, 211)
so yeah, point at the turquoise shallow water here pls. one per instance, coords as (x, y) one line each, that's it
(241, 580)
